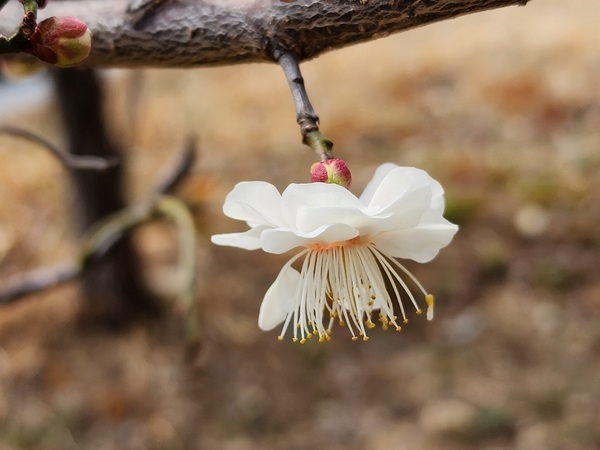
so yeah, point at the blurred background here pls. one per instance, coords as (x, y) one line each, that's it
(502, 107)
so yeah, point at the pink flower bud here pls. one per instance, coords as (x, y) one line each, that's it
(62, 41)
(331, 171)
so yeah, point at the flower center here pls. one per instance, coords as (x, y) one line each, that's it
(358, 240)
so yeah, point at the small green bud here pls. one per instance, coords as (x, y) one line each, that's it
(331, 171)
(62, 41)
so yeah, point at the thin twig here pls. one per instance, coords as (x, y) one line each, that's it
(180, 170)
(37, 280)
(305, 114)
(70, 162)
(174, 209)
(108, 232)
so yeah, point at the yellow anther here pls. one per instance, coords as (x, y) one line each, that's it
(321, 338)
(354, 338)
(419, 311)
(309, 335)
(385, 327)
(342, 323)
(398, 328)
(295, 339)
(280, 338)
(405, 321)
(303, 341)
(370, 324)
(365, 338)
(430, 301)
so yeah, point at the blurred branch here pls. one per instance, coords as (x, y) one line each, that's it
(183, 33)
(68, 160)
(180, 170)
(38, 280)
(109, 231)
(174, 209)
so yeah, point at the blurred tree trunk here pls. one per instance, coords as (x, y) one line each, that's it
(113, 290)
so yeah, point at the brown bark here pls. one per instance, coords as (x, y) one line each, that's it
(183, 33)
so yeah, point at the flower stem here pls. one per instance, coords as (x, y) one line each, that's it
(30, 5)
(305, 113)
(319, 143)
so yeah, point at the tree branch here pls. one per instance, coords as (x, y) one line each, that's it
(107, 233)
(34, 281)
(69, 161)
(186, 33)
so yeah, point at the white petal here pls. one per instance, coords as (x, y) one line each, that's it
(310, 218)
(278, 300)
(400, 182)
(421, 243)
(281, 240)
(256, 202)
(408, 209)
(372, 185)
(437, 196)
(366, 224)
(248, 240)
(297, 196)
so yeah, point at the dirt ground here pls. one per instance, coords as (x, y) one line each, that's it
(502, 107)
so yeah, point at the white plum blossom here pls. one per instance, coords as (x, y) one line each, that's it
(349, 247)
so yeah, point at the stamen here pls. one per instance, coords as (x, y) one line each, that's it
(430, 301)
(345, 280)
